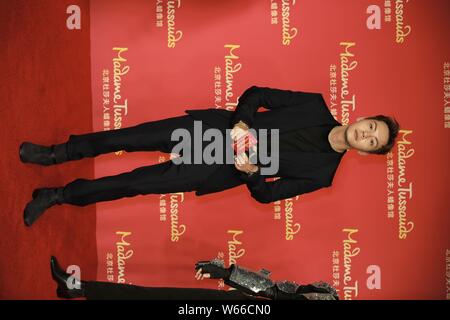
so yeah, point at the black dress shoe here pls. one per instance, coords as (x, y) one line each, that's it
(61, 277)
(35, 153)
(43, 199)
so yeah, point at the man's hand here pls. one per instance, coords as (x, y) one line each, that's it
(199, 275)
(208, 269)
(242, 163)
(239, 131)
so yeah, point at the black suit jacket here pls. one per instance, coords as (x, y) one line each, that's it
(288, 110)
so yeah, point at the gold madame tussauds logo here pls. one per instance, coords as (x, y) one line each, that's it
(122, 255)
(120, 106)
(172, 36)
(291, 228)
(404, 193)
(233, 252)
(231, 67)
(347, 65)
(349, 253)
(176, 230)
(288, 33)
(401, 31)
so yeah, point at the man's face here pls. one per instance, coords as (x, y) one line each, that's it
(367, 135)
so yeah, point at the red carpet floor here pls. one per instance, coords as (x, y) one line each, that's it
(45, 95)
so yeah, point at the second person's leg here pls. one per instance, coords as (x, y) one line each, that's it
(96, 290)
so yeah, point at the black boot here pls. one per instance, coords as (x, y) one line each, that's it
(34, 153)
(43, 199)
(61, 277)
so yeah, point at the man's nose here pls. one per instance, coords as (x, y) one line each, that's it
(364, 134)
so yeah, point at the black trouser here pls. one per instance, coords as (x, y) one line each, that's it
(96, 290)
(165, 177)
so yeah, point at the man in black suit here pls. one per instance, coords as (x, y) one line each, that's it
(310, 147)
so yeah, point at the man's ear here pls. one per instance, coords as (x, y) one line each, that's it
(363, 153)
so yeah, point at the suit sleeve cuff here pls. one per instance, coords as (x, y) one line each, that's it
(251, 177)
(241, 117)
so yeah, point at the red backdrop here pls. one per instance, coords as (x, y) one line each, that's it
(380, 231)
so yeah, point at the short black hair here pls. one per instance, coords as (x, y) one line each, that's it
(393, 127)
